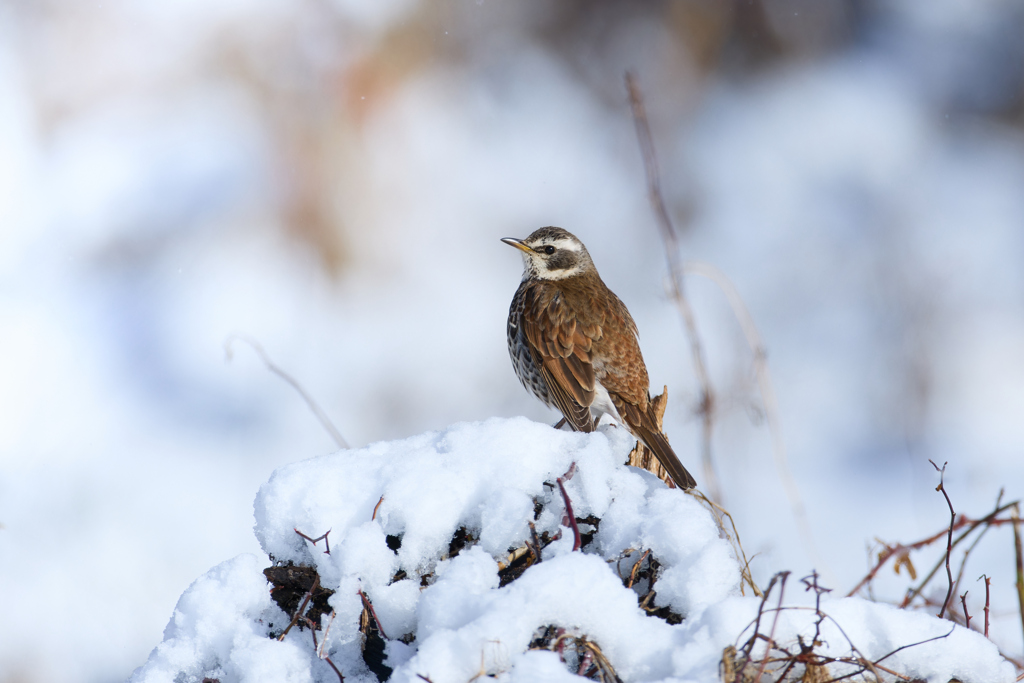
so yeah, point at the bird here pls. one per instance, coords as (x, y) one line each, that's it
(574, 344)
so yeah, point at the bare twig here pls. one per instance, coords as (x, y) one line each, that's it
(811, 583)
(875, 664)
(369, 608)
(775, 622)
(677, 269)
(706, 407)
(748, 647)
(336, 670)
(1019, 556)
(325, 421)
(718, 512)
(771, 405)
(636, 567)
(987, 582)
(920, 642)
(963, 602)
(991, 519)
(327, 632)
(534, 543)
(576, 542)
(949, 540)
(375, 508)
(302, 608)
(316, 540)
(901, 551)
(974, 543)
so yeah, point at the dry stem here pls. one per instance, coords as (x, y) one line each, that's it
(949, 539)
(1019, 556)
(316, 540)
(741, 556)
(576, 540)
(302, 608)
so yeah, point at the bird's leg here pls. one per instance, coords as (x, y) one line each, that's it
(560, 423)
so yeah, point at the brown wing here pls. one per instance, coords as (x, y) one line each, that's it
(621, 365)
(562, 349)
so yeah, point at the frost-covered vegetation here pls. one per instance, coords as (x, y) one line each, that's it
(450, 557)
(331, 179)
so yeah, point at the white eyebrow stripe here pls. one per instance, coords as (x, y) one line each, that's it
(563, 243)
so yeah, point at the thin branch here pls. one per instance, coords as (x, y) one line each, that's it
(327, 632)
(989, 519)
(900, 549)
(963, 601)
(949, 539)
(375, 508)
(771, 634)
(1019, 557)
(369, 608)
(867, 663)
(706, 407)
(534, 543)
(718, 512)
(987, 582)
(748, 647)
(970, 548)
(920, 642)
(632, 574)
(577, 541)
(302, 608)
(336, 670)
(325, 421)
(316, 540)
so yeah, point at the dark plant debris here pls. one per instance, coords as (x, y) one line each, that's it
(460, 541)
(581, 656)
(290, 584)
(374, 642)
(394, 542)
(641, 579)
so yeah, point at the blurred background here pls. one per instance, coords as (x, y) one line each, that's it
(331, 177)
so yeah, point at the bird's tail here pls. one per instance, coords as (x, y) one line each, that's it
(658, 443)
(645, 427)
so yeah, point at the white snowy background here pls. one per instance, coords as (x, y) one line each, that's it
(331, 178)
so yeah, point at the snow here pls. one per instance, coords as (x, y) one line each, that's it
(331, 179)
(447, 618)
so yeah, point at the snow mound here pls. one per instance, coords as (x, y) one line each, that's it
(449, 558)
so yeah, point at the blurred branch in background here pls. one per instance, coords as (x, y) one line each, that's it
(706, 405)
(771, 406)
(317, 411)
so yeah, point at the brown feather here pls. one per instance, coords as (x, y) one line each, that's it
(576, 414)
(644, 426)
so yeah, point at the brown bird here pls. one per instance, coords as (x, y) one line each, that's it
(574, 345)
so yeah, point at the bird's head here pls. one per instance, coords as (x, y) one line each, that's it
(552, 254)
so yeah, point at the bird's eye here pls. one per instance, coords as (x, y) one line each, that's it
(549, 249)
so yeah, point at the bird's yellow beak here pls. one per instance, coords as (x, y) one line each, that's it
(512, 241)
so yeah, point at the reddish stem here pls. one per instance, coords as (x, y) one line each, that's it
(576, 542)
